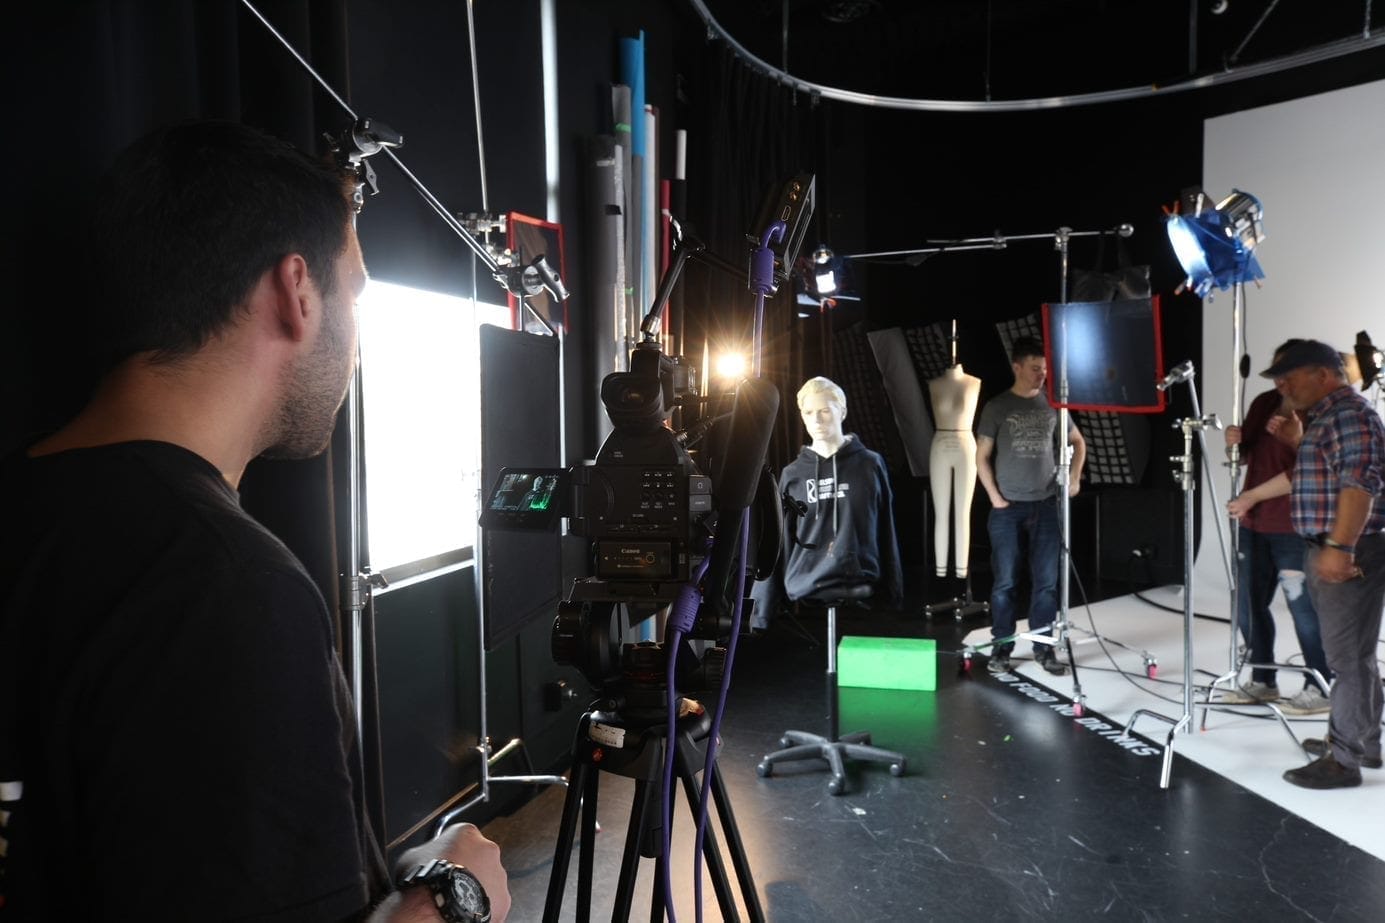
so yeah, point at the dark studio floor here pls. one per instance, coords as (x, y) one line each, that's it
(1010, 810)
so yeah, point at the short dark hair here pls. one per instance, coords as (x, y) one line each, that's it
(1025, 347)
(187, 221)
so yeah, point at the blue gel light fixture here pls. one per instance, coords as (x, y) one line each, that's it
(1215, 245)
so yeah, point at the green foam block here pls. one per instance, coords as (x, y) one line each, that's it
(887, 663)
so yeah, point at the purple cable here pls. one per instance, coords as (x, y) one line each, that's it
(680, 619)
(760, 286)
(761, 283)
(714, 735)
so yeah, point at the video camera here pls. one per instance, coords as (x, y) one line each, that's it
(648, 512)
(664, 527)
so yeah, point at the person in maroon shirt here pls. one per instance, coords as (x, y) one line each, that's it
(1270, 554)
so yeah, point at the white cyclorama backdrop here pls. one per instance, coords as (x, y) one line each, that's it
(1317, 165)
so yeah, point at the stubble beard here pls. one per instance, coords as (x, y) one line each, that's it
(314, 391)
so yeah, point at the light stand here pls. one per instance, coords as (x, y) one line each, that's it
(362, 140)
(1184, 476)
(1058, 632)
(1238, 385)
(1235, 662)
(1216, 247)
(1185, 372)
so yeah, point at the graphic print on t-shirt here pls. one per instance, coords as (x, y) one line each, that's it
(1031, 432)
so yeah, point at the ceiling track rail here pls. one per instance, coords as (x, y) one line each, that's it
(1314, 55)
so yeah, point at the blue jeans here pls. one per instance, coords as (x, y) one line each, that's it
(1267, 561)
(1035, 523)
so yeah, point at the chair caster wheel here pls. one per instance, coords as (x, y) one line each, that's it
(1078, 709)
(965, 666)
(764, 768)
(1151, 670)
(785, 743)
(836, 787)
(897, 769)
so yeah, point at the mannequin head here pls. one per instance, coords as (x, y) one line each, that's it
(822, 404)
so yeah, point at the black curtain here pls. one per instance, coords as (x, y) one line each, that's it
(748, 135)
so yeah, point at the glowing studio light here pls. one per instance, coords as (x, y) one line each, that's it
(731, 366)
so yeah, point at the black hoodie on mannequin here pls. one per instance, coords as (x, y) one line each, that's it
(846, 537)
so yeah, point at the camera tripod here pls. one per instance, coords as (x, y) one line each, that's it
(606, 742)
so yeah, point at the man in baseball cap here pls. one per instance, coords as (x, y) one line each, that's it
(1305, 354)
(1337, 481)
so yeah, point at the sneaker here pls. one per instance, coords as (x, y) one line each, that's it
(1308, 702)
(1324, 772)
(999, 663)
(1050, 662)
(1251, 693)
(1318, 746)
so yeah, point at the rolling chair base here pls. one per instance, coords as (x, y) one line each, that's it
(801, 745)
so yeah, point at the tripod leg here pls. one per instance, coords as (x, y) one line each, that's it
(557, 879)
(586, 856)
(736, 847)
(710, 851)
(656, 893)
(630, 859)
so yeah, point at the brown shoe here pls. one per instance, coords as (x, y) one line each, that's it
(1324, 772)
(1317, 746)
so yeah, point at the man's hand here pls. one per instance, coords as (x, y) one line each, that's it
(1074, 485)
(1240, 507)
(460, 844)
(1287, 429)
(1335, 566)
(1233, 436)
(998, 502)
(469, 847)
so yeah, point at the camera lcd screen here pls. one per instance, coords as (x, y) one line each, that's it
(525, 498)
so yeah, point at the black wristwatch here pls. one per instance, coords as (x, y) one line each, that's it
(457, 893)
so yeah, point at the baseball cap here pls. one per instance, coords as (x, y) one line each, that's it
(1308, 353)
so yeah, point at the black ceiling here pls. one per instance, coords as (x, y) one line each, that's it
(1021, 49)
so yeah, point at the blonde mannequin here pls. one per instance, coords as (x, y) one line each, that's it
(952, 463)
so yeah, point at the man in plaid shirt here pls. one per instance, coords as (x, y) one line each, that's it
(1336, 504)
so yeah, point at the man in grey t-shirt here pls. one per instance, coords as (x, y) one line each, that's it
(1016, 462)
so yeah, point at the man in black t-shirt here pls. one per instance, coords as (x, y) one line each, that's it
(176, 739)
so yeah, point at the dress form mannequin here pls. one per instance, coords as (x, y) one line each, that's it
(952, 462)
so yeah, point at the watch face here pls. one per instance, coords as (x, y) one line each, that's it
(467, 894)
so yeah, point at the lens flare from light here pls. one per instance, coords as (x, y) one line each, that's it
(731, 365)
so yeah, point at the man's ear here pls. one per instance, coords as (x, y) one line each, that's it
(294, 292)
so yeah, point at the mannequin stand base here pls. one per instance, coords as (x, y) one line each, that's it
(960, 606)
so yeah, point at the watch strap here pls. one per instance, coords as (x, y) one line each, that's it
(438, 876)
